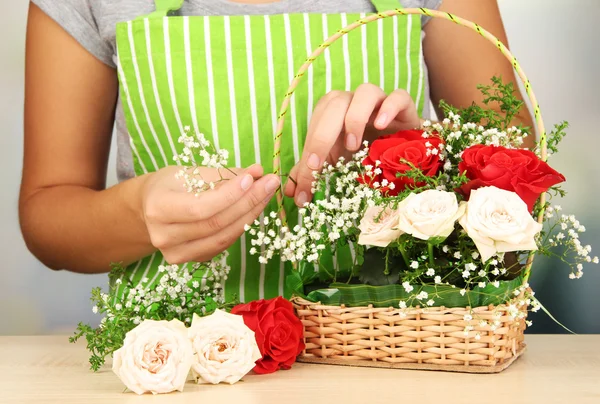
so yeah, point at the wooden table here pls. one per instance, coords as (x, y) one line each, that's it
(555, 369)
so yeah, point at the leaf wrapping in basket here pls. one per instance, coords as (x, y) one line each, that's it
(390, 295)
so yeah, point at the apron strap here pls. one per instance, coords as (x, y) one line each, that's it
(164, 8)
(385, 5)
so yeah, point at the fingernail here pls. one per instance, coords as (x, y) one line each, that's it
(313, 162)
(301, 199)
(351, 142)
(382, 120)
(271, 185)
(247, 182)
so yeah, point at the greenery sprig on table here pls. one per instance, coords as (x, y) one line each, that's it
(176, 293)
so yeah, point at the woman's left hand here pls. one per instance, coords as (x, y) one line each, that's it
(340, 123)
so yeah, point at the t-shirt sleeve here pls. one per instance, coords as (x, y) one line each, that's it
(77, 18)
(431, 4)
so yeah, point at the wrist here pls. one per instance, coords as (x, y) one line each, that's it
(133, 197)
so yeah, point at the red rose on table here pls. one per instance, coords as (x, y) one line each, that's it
(392, 150)
(279, 333)
(516, 170)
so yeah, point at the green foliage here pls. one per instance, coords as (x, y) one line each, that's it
(380, 267)
(497, 96)
(123, 311)
(109, 336)
(556, 136)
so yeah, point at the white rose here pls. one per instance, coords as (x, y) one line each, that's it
(224, 348)
(429, 214)
(499, 221)
(379, 227)
(156, 357)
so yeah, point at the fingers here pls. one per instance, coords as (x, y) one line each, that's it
(168, 235)
(204, 249)
(323, 133)
(290, 185)
(366, 100)
(181, 207)
(399, 107)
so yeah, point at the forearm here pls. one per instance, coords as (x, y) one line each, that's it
(83, 230)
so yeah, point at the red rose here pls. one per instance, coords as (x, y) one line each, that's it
(520, 171)
(391, 150)
(279, 333)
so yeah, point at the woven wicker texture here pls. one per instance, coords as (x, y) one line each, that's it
(394, 337)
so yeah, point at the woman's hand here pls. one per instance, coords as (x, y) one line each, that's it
(186, 228)
(340, 123)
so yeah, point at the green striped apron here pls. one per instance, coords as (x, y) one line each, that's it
(226, 76)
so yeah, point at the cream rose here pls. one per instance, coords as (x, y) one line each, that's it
(379, 227)
(224, 348)
(156, 357)
(499, 221)
(429, 214)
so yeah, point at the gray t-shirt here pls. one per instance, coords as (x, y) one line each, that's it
(92, 23)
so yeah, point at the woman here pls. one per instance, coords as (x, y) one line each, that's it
(73, 99)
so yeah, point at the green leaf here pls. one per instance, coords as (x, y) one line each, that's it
(294, 284)
(373, 270)
(447, 296)
(307, 272)
(436, 240)
(331, 295)
(390, 295)
(497, 295)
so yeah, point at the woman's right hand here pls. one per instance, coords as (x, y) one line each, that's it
(185, 227)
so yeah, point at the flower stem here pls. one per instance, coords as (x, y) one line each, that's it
(386, 271)
(431, 258)
(404, 256)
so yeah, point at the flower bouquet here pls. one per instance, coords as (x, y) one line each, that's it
(441, 225)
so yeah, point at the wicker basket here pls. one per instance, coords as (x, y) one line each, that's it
(431, 338)
(426, 339)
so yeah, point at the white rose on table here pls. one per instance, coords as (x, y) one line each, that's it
(429, 214)
(156, 357)
(379, 227)
(499, 221)
(225, 349)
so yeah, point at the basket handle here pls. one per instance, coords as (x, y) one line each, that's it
(408, 11)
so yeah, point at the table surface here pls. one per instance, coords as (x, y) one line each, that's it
(554, 369)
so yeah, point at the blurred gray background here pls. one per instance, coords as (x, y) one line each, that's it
(556, 43)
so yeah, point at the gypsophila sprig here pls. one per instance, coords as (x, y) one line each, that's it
(198, 152)
(323, 222)
(562, 241)
(177, 292)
